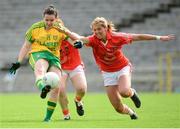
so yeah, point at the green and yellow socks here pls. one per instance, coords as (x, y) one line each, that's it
(50, 109)
(39, 84)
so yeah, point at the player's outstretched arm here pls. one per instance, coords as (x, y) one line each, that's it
(140, 37)
(23, 52)
(61, 28)
(79, 40)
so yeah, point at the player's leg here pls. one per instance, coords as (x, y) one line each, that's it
(115, 99)
(54, 66)
(112, 89)
(39, 64)
(124, 86)
(78, 80)
(63, 100)
(51, 103)
(40, 69)
(53, 95)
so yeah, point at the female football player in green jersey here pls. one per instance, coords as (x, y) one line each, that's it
(42, 42)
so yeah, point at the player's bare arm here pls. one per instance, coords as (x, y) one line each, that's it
(76, 38)
(79, 40)
(24, 50)
(139, 37)
(84, 40)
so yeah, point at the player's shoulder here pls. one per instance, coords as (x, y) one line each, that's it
(119, 34)
(38, 25)
(92, 37)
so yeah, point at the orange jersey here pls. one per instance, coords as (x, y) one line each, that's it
(70, 57)
(109, 56)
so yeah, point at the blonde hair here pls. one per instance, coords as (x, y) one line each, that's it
(104, 23)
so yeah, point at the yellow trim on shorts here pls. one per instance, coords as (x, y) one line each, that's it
(32, 61)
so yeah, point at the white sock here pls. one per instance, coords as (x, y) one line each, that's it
(131, 112)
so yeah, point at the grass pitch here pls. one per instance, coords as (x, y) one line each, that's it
(28, 110)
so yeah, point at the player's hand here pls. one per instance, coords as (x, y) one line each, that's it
(14, 67)
(60, 27)
(167, 37)
(78, 44)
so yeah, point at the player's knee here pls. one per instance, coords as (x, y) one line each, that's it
(119, 109)
(81, 90)
(125, 92)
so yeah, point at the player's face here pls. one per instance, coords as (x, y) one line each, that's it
(49, 20)
(99, 31)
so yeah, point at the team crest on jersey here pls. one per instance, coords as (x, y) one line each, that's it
(55, 37)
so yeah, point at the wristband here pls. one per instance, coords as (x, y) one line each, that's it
(158, 37)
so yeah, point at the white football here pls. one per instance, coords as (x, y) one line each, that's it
(52, 79)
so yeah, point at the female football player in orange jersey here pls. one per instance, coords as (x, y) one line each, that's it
(72, 66)
(42, 42)
(115, 67)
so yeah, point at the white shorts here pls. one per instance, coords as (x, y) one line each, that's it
(78, 70)
(111, 78)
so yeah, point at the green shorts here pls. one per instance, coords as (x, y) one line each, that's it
(52, 60)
